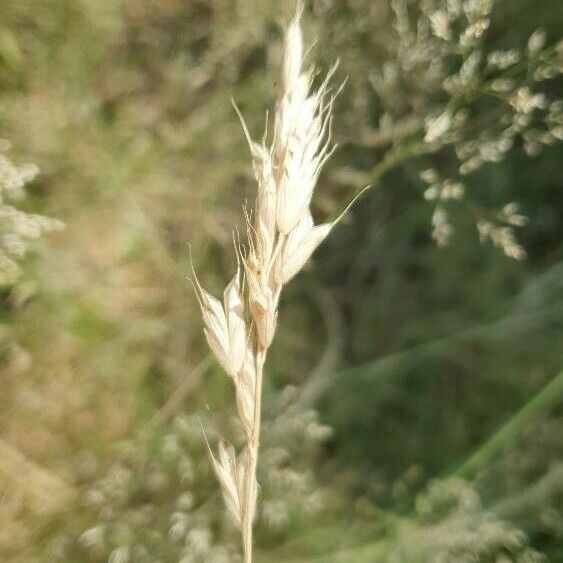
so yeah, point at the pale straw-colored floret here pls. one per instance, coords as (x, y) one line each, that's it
(245, 389)
(224, 324)
(301, 147)
(226, 470)
(300, 245)
(301, 134)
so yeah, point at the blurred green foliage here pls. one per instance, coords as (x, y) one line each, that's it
(413, 406)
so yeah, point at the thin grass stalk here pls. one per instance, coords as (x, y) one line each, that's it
(255, 446)
(543, 401)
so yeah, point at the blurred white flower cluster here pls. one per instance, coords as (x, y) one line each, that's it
(158, 498)
(455, 104)
(17, 228)
(450, 524)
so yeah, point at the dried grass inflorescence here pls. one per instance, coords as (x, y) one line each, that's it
(282, 236)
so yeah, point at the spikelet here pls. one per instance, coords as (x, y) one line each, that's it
(264, 231)
(303, 241)
(224, 325)
(245, 385)
(302, 134)
(263, 292)
(239, 492)
(226, 469)
(234, 312)
(300, 245)
(266, 198)
(262, 300)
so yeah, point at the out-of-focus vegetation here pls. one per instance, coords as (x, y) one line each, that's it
(413, 407)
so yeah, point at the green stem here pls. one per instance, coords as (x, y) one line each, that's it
(542, 402)
(395, 156)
